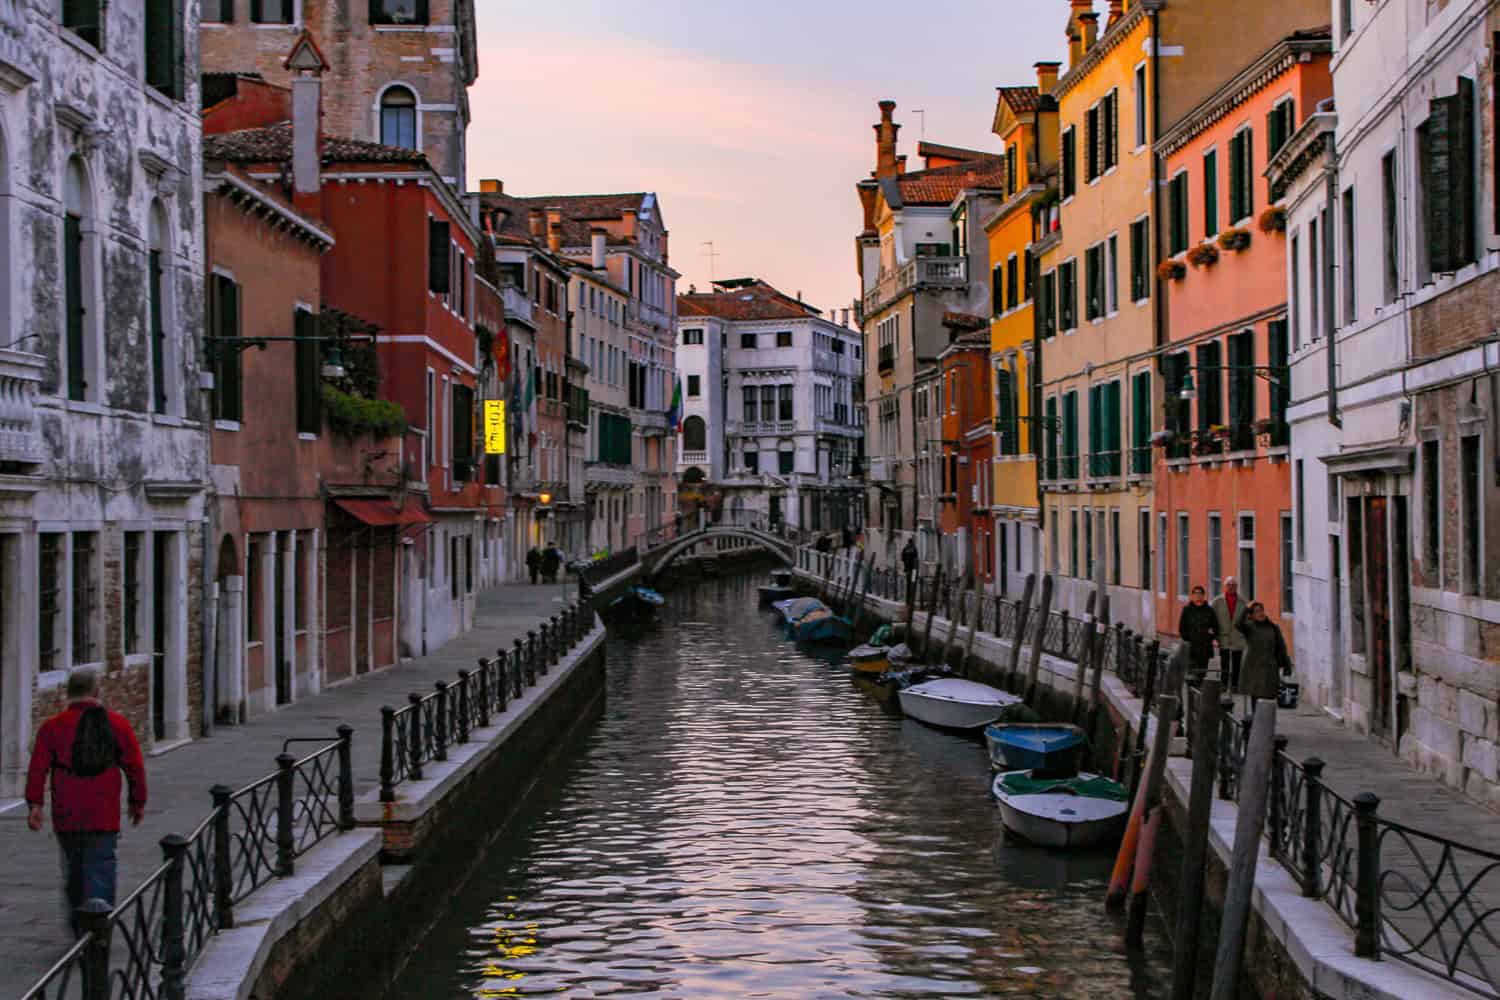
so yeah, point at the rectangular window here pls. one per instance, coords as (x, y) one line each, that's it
(784, 338)
(1471, 512)
(1093, 156)
(1028, 276)
(49, 600)
(1431, 512)
(1143, 544)
(85, 598)
(768, 404)
(1114, 547)
(1294, 292)
(749, 396)
(398, 11)
(300, 559)
(440, 260)
(1056, 553)
(218, 11)
(1088, 545)
(1110, 125)
(1140, 261)
(1093, 277)
(786, 462)
(85, 18)
(309, 372)
(1067, 295)
(163, 31)
(224, 322)
(1314, 278)
(1140, 106)
(784, 403)
(1048, 304)
(130, 593)
(1280, 124)
(1184, 557)
(1210, 381)
(1301, 508)
(1177, 204)
(1215, 554)
(463, 432)
(1140, 423)
(158, 332)
(1211, 193)
(1391, 227)
(1051, 438)
(1241, 176)
(1161, 553)
(1012, 284)
(468, 564)
(1247, 556)
(453, 567)
(1286, 564)
(1242, 391)
(1070, 436)
(1346, 19)
(76, 314)
(997, 290)
(752, 461)
(1008, 440)
(1112, 274)
(1279, 391)
(1348, 268)
(747, 341)
(1073, 564)
(693, 384)
(689, 337)
(271, 11)
(1445, 151)
(1068, 167)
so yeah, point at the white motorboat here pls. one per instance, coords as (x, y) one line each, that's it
(954, 703)
(1077, 811)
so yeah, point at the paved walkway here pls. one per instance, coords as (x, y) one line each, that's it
(32, 932)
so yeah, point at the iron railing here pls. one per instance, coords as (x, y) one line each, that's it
(602, 569)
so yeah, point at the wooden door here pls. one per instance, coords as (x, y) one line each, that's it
(1378, 609)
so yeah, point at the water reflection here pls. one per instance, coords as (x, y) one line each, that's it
(744, 821)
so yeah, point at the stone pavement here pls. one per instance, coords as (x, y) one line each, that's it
(32, 932)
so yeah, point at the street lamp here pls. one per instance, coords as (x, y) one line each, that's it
(1271, 373)
(1189, 391)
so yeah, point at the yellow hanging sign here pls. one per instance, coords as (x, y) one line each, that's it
(494, 426)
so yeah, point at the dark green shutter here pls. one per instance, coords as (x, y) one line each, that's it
(1029, 269)
(1095, 434)
(1140, 423)
(227, 377)
(1211, 193)
(309, 373)
(1276, 357)
(256, 13)
(1003, 414)
(73, 291)
(1012, 284)
(226, 11)
(439, 257)
(1051, 439)
(1069, 156)
(997, 291)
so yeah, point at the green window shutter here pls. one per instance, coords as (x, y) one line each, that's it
(1276, 357)
(1004, 415)
(997, 291)
(1112, 426)
(309, 373)
(227, 381)
(1029, 270)
(73, 296)
(1012, 284)
(1140, 423)
(1069, 158)
(1070, 436)
(1236, 178)
(1093, 464)
(439, 257)
(1247, 172)
(1211, 193)
(1051, 438)
(256, 14)
(1461, 132)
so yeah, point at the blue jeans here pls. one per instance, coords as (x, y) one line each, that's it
(88, 869)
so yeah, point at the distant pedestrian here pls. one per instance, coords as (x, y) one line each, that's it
(848, 538)
(551, 561)
(1198, 626)
(1266, 655)
(822, 543)
(84, 750)
(677, 521)
(909, 557)
(1230, 611)
(533, 563)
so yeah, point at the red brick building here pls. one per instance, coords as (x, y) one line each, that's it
(967, 445)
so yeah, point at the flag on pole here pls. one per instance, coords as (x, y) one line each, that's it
(676, 415)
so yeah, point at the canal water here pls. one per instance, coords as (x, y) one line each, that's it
(744, 821)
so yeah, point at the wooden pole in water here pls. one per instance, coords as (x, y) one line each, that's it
(864, 594)
(856, 566)
(1096, 684)
(913, 584)
(1249, 825)
(1119, 878)
(1023, 618)
(1043, 610)
(955, 621)
(1085, 657)
(937, 578)
(976, 590)
(1195, 842)
(1151, 820)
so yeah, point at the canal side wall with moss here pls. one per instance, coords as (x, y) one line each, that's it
(345, 923)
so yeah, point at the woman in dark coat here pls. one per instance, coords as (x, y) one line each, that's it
(1266, 656)
(1198, 626)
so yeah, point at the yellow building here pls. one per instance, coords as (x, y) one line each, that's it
(1026, 122)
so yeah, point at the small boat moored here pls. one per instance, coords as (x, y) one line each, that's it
(1061, 810)
(779, 589)
(1026, 745)
(954, 703)
(636, 604)
(810, 620)
(874, 657)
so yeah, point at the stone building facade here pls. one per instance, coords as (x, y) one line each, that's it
(399, 70)
(102, 441)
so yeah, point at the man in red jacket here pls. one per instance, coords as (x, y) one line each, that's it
(85, 810)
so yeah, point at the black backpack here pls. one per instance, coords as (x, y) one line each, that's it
(94, 748)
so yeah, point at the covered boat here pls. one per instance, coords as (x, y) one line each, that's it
(874, 657)
(954, 703)
(779, 589)
(1026, 745)
(636, 604)
(821, 625)
(1066, 810)
(796, 607)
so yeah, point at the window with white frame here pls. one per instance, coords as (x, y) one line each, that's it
(1247, 556)
(1184, 557)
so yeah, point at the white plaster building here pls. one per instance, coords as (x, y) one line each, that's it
(772, 404)
(102, 444)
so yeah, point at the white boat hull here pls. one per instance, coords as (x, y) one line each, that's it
(1061, 820)
(951, 703)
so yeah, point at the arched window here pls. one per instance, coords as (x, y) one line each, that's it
(157, 303)
(694, 434)
(79, 280)
(398, 118)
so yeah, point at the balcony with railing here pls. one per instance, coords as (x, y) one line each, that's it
(923, 272)
(20, 435)
(517, 304)
(650, 422)
(694, 458)
(886, 362)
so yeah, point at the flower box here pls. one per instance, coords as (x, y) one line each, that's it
(1171, 270)
(1203, 255)
(1273, 220)
(1235, 239)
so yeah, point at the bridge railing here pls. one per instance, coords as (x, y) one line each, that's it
(684, 525)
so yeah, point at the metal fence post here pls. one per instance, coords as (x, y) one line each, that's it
(502, 682)
(440, 731)
(484, 693)
(285, 845)
(463, 706)
(1276, 810)
(387, 754)
(93, 920)
(223, 879)
(173, 945)
(530, 658)
(346, 777)
(1312, 828)
(1367, 880)
(554, 648)
(1226, 749)
(414, 738)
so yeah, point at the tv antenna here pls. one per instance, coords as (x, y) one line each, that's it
(923, 113)
(712, 256)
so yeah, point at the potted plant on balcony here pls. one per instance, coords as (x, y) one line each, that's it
(1273, 220)
(1203, 255)
(1171, 270)
(1235, 239)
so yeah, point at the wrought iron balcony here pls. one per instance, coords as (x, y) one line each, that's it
(930, 272)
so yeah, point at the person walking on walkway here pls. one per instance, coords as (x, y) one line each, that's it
(551, 560)
(533, 563)
(84, 750)
(909, 557)
(1266, 656)
(1230, 612)
(1198, 626)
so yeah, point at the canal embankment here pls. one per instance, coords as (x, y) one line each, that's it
(1412, 885)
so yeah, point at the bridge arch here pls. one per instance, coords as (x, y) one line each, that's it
(665, 555)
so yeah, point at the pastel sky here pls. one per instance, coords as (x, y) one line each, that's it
(751, 121)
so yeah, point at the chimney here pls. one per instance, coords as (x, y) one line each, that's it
(886, 164)
(537, 220)
(1116, 11)
(629, 215)
(597, 239)
(554, 229)
(490, 185)
(307, 142)
(1090, 22)
(901, 164)
(1046, 76)
(1076, 44)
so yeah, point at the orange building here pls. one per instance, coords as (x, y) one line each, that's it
(1222, 486)
(967, 443)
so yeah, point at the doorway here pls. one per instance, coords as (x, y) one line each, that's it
(276, 641)
(1400, 584)
(1378, 613)
(1336, 621)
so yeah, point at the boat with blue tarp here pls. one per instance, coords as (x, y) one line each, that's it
(1023, 746)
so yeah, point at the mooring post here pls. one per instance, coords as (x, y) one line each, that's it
(1085, 657)
(1043, 610)
(932, 603)
(1195, 844)
(1249, 824)
(1151, 820)
(1096, 685)
(1023, 618)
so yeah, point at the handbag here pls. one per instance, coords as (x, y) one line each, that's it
(1287, 691)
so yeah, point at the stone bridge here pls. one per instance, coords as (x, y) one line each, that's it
(659, 552)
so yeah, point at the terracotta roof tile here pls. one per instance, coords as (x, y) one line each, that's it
(273, 144)
(745, 302)
(1021, 99)
(941, 185)
(963, 321)
(580, 213)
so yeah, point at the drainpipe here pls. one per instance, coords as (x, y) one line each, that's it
(208, 655)
(1331, 183)
(1154, 6)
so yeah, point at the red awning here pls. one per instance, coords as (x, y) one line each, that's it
(382, 513)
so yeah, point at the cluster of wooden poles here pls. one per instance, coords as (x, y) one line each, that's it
(1130, 880)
